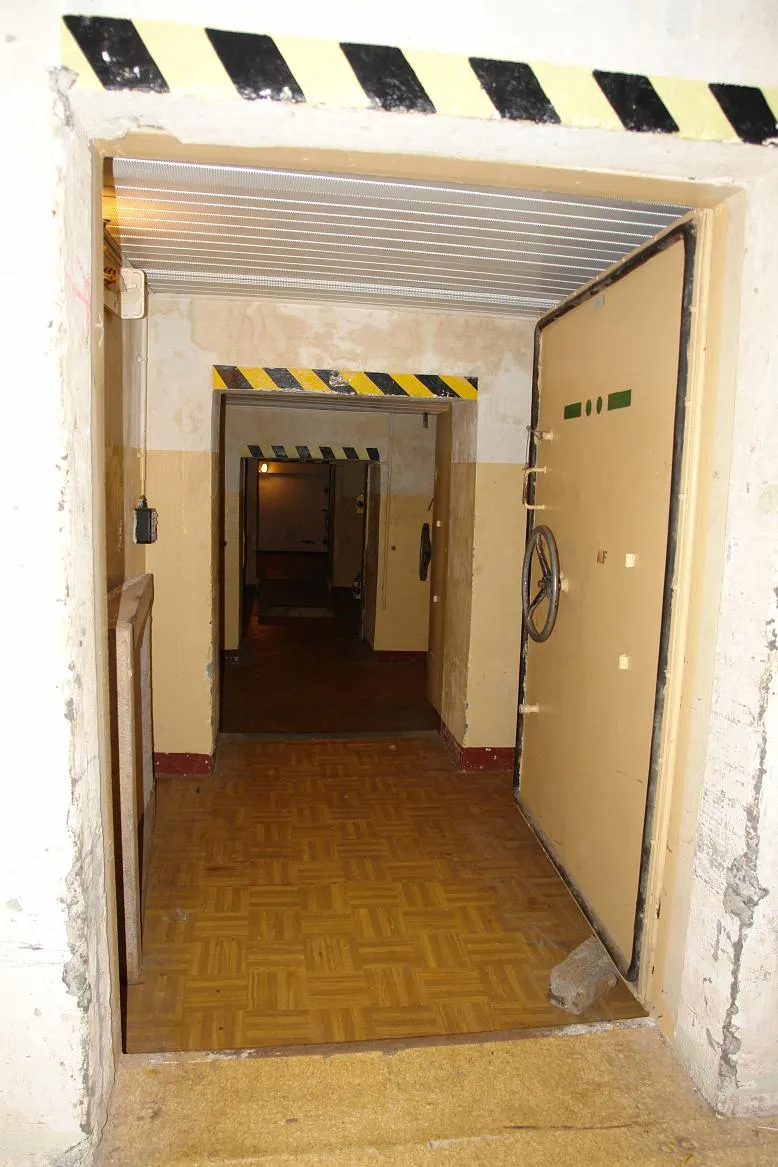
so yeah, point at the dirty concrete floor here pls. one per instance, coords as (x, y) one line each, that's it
(614, 1097)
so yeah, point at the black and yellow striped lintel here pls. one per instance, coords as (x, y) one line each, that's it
(154, 57)
(352, 383)
(311, 453)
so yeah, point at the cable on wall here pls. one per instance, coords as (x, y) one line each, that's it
(145, 528)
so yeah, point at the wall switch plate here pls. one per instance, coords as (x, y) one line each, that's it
(145, 523)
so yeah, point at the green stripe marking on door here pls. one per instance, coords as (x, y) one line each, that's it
(620, 400)
(573, 410)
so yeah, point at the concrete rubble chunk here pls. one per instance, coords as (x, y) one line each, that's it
(582, 978)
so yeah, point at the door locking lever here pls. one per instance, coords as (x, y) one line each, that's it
(529, 506)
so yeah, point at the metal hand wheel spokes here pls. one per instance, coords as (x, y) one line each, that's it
(541, 565)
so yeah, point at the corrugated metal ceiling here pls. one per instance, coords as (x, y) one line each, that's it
(228, 230)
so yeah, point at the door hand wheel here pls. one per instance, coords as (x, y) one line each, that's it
(541, 552)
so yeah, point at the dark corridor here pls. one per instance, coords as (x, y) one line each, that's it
(302, 668)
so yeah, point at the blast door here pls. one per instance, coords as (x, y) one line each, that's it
(601, 493)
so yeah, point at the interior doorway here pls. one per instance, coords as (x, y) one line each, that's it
(334, 605)
(350, 881)
(304, 540)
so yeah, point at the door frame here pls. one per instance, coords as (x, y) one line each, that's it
(244, 478)
(372, 487)
(688, 230)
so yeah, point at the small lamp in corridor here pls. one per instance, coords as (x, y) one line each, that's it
(263, 468)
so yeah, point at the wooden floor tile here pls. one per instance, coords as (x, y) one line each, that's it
(338, 891)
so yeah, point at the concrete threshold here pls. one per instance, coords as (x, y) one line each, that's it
(583, 1095)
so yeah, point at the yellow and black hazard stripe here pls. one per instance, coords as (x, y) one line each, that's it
(311, 453)
(352, 383)
(152, 57)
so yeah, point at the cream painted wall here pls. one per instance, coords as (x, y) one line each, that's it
(498, 544)
(178, 484)
(55, 939)
(402, 610)
(123, 358)
(459, 599)
(348, 523)
(495, 634)
(486, 547)
(188, 336)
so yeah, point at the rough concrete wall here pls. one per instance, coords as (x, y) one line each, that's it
(56, 1056)
(728, 1020)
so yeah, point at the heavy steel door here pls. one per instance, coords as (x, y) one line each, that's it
(607, 431)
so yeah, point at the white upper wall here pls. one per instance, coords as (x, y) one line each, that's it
(187, 336)
(399, 439)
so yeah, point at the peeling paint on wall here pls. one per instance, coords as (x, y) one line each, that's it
(188, 336)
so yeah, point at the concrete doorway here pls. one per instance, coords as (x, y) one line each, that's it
(711, 878)
(423, 930)
(438, 883)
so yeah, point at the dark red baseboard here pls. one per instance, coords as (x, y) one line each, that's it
(183, 763)
(494, 758)
(387, 654)
(475, 759)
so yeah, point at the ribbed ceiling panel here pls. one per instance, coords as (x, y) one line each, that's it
(235, 231)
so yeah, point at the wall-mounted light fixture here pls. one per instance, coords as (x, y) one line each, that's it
(263, 468)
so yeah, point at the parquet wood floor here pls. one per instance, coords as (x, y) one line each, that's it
(347, 891)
